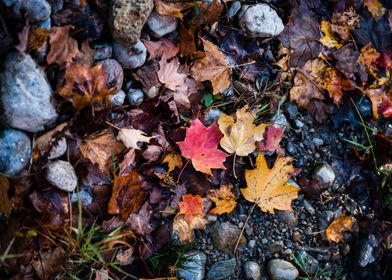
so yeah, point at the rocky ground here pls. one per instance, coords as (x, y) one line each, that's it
(76, 73)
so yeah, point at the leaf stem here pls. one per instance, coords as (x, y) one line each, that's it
(182, 170)
(243, 228)
(234, 159)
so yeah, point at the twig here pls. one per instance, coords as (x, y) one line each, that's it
(243, 228)
(182, 170)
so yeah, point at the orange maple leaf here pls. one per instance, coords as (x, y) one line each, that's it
(191, 206)
(334, 231)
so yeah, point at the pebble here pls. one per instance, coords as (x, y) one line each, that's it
(260, 21)
(58, 148)
(296, 236)
(369, 250)
(225, 235)
(61, 174)
(194, 269)
(222, 269)
(135, 96)
(325, 175)
(127, 19)
(290, 148)
(212, 218)
(318, 142)
(36, 10)
(114, 73)
(287, 252)
(275, 247)
(118, 98)
(288, 218)
(25, 94)
(279, 120)
(161, 25)
(84, 195)
(298, 124)
(252, 243)
(292, 110)
(279, 269)
(103, 51)
(15, 151)
(309, 207)
(264, 240)
(234, 8)
(212, 116)
(309, 263)
(251, 270)
(130, 57)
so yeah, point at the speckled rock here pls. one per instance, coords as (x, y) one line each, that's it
(127, 18)
(103, 51)
(222, 270)
(61, 174)
(25, 94)
(15, 151)
(58, 148)
(195, 267)
(114, 73)
(325, 175)
(251, 270)
(281, 270)
(225, 235)
(288, 218)
(161, 25)
(130, 57)
(260, 21)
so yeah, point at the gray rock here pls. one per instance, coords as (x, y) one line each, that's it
(251, 271)
(275, 247)
(309, 207)
(225, 235)
(36, 10)
(260, 21)
(325, 175)
(288, 218)
(222, 269)
(127, 19)
(161, 25)
(103, 51)
(130, 57)
(298, 124)
(195, 267)
(114, 73)
(252, 243)
(135, 96)
(118, 98)
(25, 94)
(212, 116)
(234, 8)
(84, 195)
(369, 250)
(280, 120)
(309, 263)
(58, 148)
(281, 270)
(61, 174)
(318, 142)
(292, 110)
(15, 151)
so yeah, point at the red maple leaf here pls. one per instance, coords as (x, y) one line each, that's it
(272, 137)
(201, 146)
(191, 206)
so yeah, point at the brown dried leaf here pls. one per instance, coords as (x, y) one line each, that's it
(160, 48)
(63, 48)
(334, 231)
(171, 8)
(5, 203)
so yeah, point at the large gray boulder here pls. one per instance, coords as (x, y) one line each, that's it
(25, 94)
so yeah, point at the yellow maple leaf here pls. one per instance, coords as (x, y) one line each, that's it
(240, 136)
(334, 231)
(224, 200)
(173, 160)
(185, 229)
(268, 188)
(328, 40)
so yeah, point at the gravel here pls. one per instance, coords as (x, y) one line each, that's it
(222, 269)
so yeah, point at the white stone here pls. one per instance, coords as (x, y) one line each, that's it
(58, 148)
(130, 57)
(61, 174)
(161, 25)
(325, 175)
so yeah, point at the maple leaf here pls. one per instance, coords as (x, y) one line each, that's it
(224, 200)
(130, 137)
(185, 229)
(85, 85)
(268, 188)
(201, 146)
(328, 40)
(375, 8)
(378, 97)
(99, 150)
(127, 197)
(191, 206)
(335, 84)
(213, 67)
(169, 8)
(335, 230)
(168, 74)
(160, 48)
(239, 137)
(173, 160)
(272, 138)
(63, 48)
(343, 22)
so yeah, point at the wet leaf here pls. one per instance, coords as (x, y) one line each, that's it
(5, 203)
(335, 230)
(173, 160)
(328, 40)
(169, 76)
(224, 199)
(130, 137)
(201, 146)
(268, 188)
(239, 136)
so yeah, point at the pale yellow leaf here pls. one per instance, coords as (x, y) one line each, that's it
(130, 137)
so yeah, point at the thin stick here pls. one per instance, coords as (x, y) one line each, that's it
(112, 125)
(235, 157)
(182, 170)
(243, 228)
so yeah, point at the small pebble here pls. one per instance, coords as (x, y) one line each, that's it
(135, 96)
(130, 57)
(161, 25)
(61, 174)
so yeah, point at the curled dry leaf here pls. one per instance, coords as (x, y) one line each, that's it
(201, 146)
(268, 188)
(224, 200)
(99, 150)
(130, 137)
(334, 231)
(63, 48)
(185, 229)
(85, 86)
(173, 160)
(239, 137)
(213, 67)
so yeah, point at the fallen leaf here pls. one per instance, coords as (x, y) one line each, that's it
(377, 97)
(224, 200)
(186, 44)
(37, 38)
(63, 48)
(375, 8)
(268, 188)
(173, 160)
(213, 67)
(343, 22)
(272, 137)
(100, 149)
(130, 137)
(85, 85)
(42, 143)
(102, 274)
(127, 197)
(191, 206)
(140, 222)
(368, 58)
(160, 48)
(128, 163)
(201, 146)
(5, 203)
(185, 229)
(169, 8)
(334, 84)
(335, 230)
(346, 60)
(208, 13)
(168, 74)
(48, 262)
(239, 137)
(23, 37)
(328, 40)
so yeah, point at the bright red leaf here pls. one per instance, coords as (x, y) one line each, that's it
(201, 146)
(272, 137)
